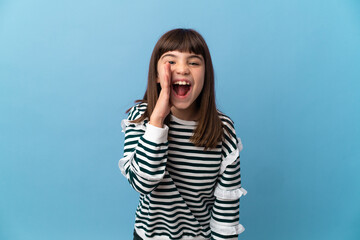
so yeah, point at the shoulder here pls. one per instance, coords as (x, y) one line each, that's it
(230, 139)
(136, 111)
(227, 123)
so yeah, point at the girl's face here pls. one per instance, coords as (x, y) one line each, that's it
(187, 81)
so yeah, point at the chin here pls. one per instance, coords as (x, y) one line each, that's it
(181, 106)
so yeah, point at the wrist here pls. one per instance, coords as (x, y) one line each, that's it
(157, 122)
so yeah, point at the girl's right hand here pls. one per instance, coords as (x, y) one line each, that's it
(163, 105)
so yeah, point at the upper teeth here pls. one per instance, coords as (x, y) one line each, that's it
(182, 83)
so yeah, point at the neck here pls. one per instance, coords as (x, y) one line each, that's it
(189, 114)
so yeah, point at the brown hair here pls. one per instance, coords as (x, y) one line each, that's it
(209, 130)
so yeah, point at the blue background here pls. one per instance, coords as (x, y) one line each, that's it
(287, 73)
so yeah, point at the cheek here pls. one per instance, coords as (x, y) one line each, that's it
(201, 78)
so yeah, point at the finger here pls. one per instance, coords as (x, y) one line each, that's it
(163, 76)
(167, 79)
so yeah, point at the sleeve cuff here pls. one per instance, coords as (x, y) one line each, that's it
(156, 134)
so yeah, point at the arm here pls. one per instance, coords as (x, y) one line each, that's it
(145, 153)
(224, 221)
(146, 147)
(225, 213)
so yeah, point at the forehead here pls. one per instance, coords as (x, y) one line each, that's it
(178, 54)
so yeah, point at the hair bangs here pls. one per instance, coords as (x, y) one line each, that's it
(182, 40)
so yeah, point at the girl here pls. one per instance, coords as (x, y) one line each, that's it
(181, 154)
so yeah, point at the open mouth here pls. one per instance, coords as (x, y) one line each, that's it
(181, 88)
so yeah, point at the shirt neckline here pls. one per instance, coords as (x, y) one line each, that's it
(185, 122)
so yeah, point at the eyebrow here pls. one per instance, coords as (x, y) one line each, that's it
(196, 56)
(172, 55)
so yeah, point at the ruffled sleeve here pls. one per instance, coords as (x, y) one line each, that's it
(224, 221)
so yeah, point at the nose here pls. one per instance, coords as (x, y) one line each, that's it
(182, 68)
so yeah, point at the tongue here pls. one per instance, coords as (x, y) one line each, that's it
(181, 90)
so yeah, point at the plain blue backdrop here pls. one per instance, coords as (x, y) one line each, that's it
(287, 73)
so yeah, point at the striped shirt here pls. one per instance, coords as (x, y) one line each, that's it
(186, 192)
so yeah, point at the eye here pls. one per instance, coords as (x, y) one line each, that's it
(194, 63)
(171, 62)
